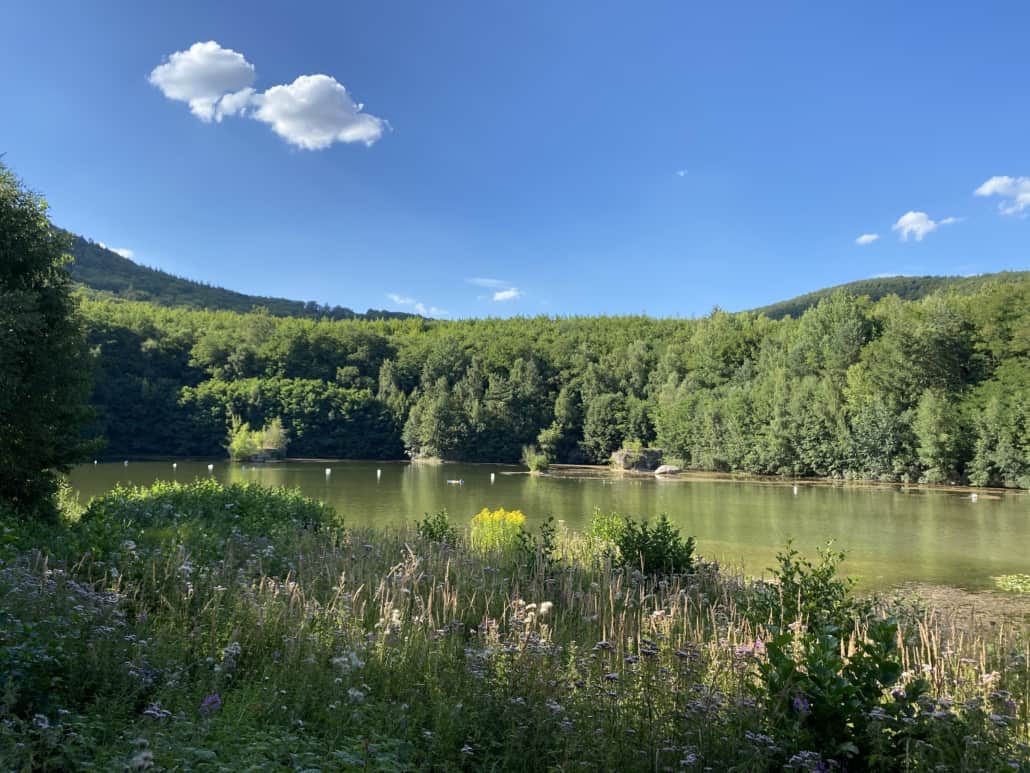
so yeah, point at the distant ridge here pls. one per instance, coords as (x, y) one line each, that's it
(909, 288)
(106, 272)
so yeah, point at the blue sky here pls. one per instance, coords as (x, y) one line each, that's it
(578, 157)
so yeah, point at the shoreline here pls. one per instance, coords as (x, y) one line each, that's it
(604, 472)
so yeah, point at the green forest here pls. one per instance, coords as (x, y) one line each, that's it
(930, 390)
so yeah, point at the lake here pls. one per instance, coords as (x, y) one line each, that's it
(893, 534)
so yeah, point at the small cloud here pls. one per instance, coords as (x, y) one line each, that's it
(511, 294)
(682, 172)
(482, 281)
(918, 225)
(125, 253)
(1015, 192)
(313, 112)
(867, 238)
(417, 306)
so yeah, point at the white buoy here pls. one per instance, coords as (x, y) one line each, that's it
(175, 465)
(795, 490)
(210, 468)
(328, 471)
(973, 497)
(126, 462)
(492, 476)
(379, 474)
(94, 461)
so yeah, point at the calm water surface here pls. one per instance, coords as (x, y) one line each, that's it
(893, 534)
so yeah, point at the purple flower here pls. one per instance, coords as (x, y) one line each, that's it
(211, 703)
(801, 704)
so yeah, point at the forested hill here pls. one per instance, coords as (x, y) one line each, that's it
(105, 271)
(909, 288)
(936, 389)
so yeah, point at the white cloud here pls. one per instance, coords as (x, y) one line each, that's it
(313, 112)
(417, 306)
(682, 172)
(918, 225)
(125, 253)
(511, 294)
(1014, 190)
(483, 281)
(867, 238)
(201, 76)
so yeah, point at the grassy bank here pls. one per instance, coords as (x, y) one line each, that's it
(235, 628)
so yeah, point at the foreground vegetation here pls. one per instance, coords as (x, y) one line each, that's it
(237, 628)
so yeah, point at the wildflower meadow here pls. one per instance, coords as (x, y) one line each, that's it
(210, 628)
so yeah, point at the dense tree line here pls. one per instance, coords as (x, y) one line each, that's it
(936, 389)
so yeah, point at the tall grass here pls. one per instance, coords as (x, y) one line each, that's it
(202, 627)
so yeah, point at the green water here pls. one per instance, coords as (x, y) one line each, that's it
(893, 535)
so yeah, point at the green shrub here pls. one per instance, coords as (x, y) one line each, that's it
(829, 666)
(245, 443)
(821, 696)
(813, 593)
(535, 459)
(437, 528)
(655, 549)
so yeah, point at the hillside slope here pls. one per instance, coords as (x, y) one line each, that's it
(909, 288)
(107, 272)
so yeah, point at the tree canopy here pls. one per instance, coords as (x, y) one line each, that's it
(934, 389)
(44, 365)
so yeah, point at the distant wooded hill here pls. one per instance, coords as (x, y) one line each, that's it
(909, 288)
(106, 272)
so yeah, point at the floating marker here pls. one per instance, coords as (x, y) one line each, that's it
(973, 497)
(492, 476)
(175, 465)
(94, 461)
(210, 468)
(126, 462)
(795, 491)
(379, 474)
(328, 471)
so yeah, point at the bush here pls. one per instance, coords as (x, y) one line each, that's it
(811, 593)
(437, 528)
(604, 533)
(203, 514)
(830, 664)
(655, 549)
(535, 459)
(245, 443)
